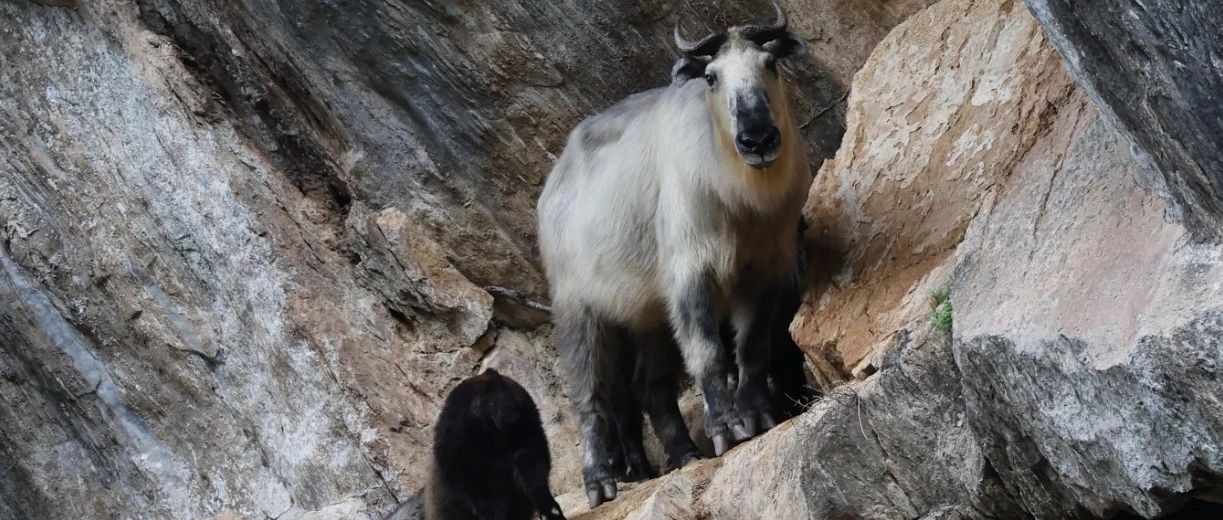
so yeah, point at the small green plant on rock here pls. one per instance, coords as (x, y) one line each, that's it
(941, 316)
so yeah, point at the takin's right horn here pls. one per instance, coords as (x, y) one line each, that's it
(707, 46)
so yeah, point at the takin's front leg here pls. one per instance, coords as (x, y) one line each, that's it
(753, 321)
(696, 331)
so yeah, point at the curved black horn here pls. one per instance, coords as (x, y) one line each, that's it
(707, 46)
(780, 23)
(761, 34)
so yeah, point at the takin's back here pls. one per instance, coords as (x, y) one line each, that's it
(597, 212)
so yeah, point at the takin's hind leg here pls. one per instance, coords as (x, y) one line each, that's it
(659, 370)
(628, 451)
(792, 393)
(586, 344)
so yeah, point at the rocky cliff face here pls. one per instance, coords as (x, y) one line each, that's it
(1032, 321)
(1154, 70)
(247, 248)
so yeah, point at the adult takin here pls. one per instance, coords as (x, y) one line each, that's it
(666, 213)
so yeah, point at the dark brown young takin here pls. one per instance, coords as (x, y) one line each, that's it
(490, 455)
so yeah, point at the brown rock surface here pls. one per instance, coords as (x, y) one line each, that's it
(938, 118)
(248, 246)
(1074, 379)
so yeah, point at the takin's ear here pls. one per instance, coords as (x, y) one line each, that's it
(687, 68)
(787, 44)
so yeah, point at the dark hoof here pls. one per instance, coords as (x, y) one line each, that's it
(552, 513)
(600, 492)
(754, 424)
(600, 484)
(767, 421)
(638, 471)
(742, 433)
(749, 427)
(728, 437)
(721, 443)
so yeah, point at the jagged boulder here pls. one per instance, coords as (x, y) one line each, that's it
(1153, 69)
(248, 246)
(1031, 326)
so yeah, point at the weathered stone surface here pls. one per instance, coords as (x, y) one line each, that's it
(1155, 69)
(244, 242)
(516, 309)
(939, 116)
(1088, 367)
(409, 270)
(1085, 320)
(178, 337)
(248, 246)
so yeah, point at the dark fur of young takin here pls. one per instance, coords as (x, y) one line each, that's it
(490, 455)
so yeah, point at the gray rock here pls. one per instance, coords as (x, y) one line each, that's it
(244, 246)
(1088, 368)
(244, 242)
(1155, 68)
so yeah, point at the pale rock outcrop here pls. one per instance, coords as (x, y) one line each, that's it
(1076, 374)
(247, 247)
(939, 118)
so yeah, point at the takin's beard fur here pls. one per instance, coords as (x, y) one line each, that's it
(762, 189)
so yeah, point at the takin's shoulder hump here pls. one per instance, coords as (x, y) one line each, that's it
(608, 126)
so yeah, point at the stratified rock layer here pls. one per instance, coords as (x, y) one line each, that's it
(1155, 69)
(247, 247)
(1078, 374)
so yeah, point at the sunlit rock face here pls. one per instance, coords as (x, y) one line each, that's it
(247, 248)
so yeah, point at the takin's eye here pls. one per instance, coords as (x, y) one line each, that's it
(770, 63)
(711, 78)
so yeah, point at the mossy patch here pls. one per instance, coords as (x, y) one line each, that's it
(941, 316)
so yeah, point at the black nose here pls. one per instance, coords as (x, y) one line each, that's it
(758, 140)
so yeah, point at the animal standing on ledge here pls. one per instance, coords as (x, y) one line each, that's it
(490, 455)
(667, 212)
(791, 392)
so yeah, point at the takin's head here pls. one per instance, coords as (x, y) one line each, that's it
(744, 90)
